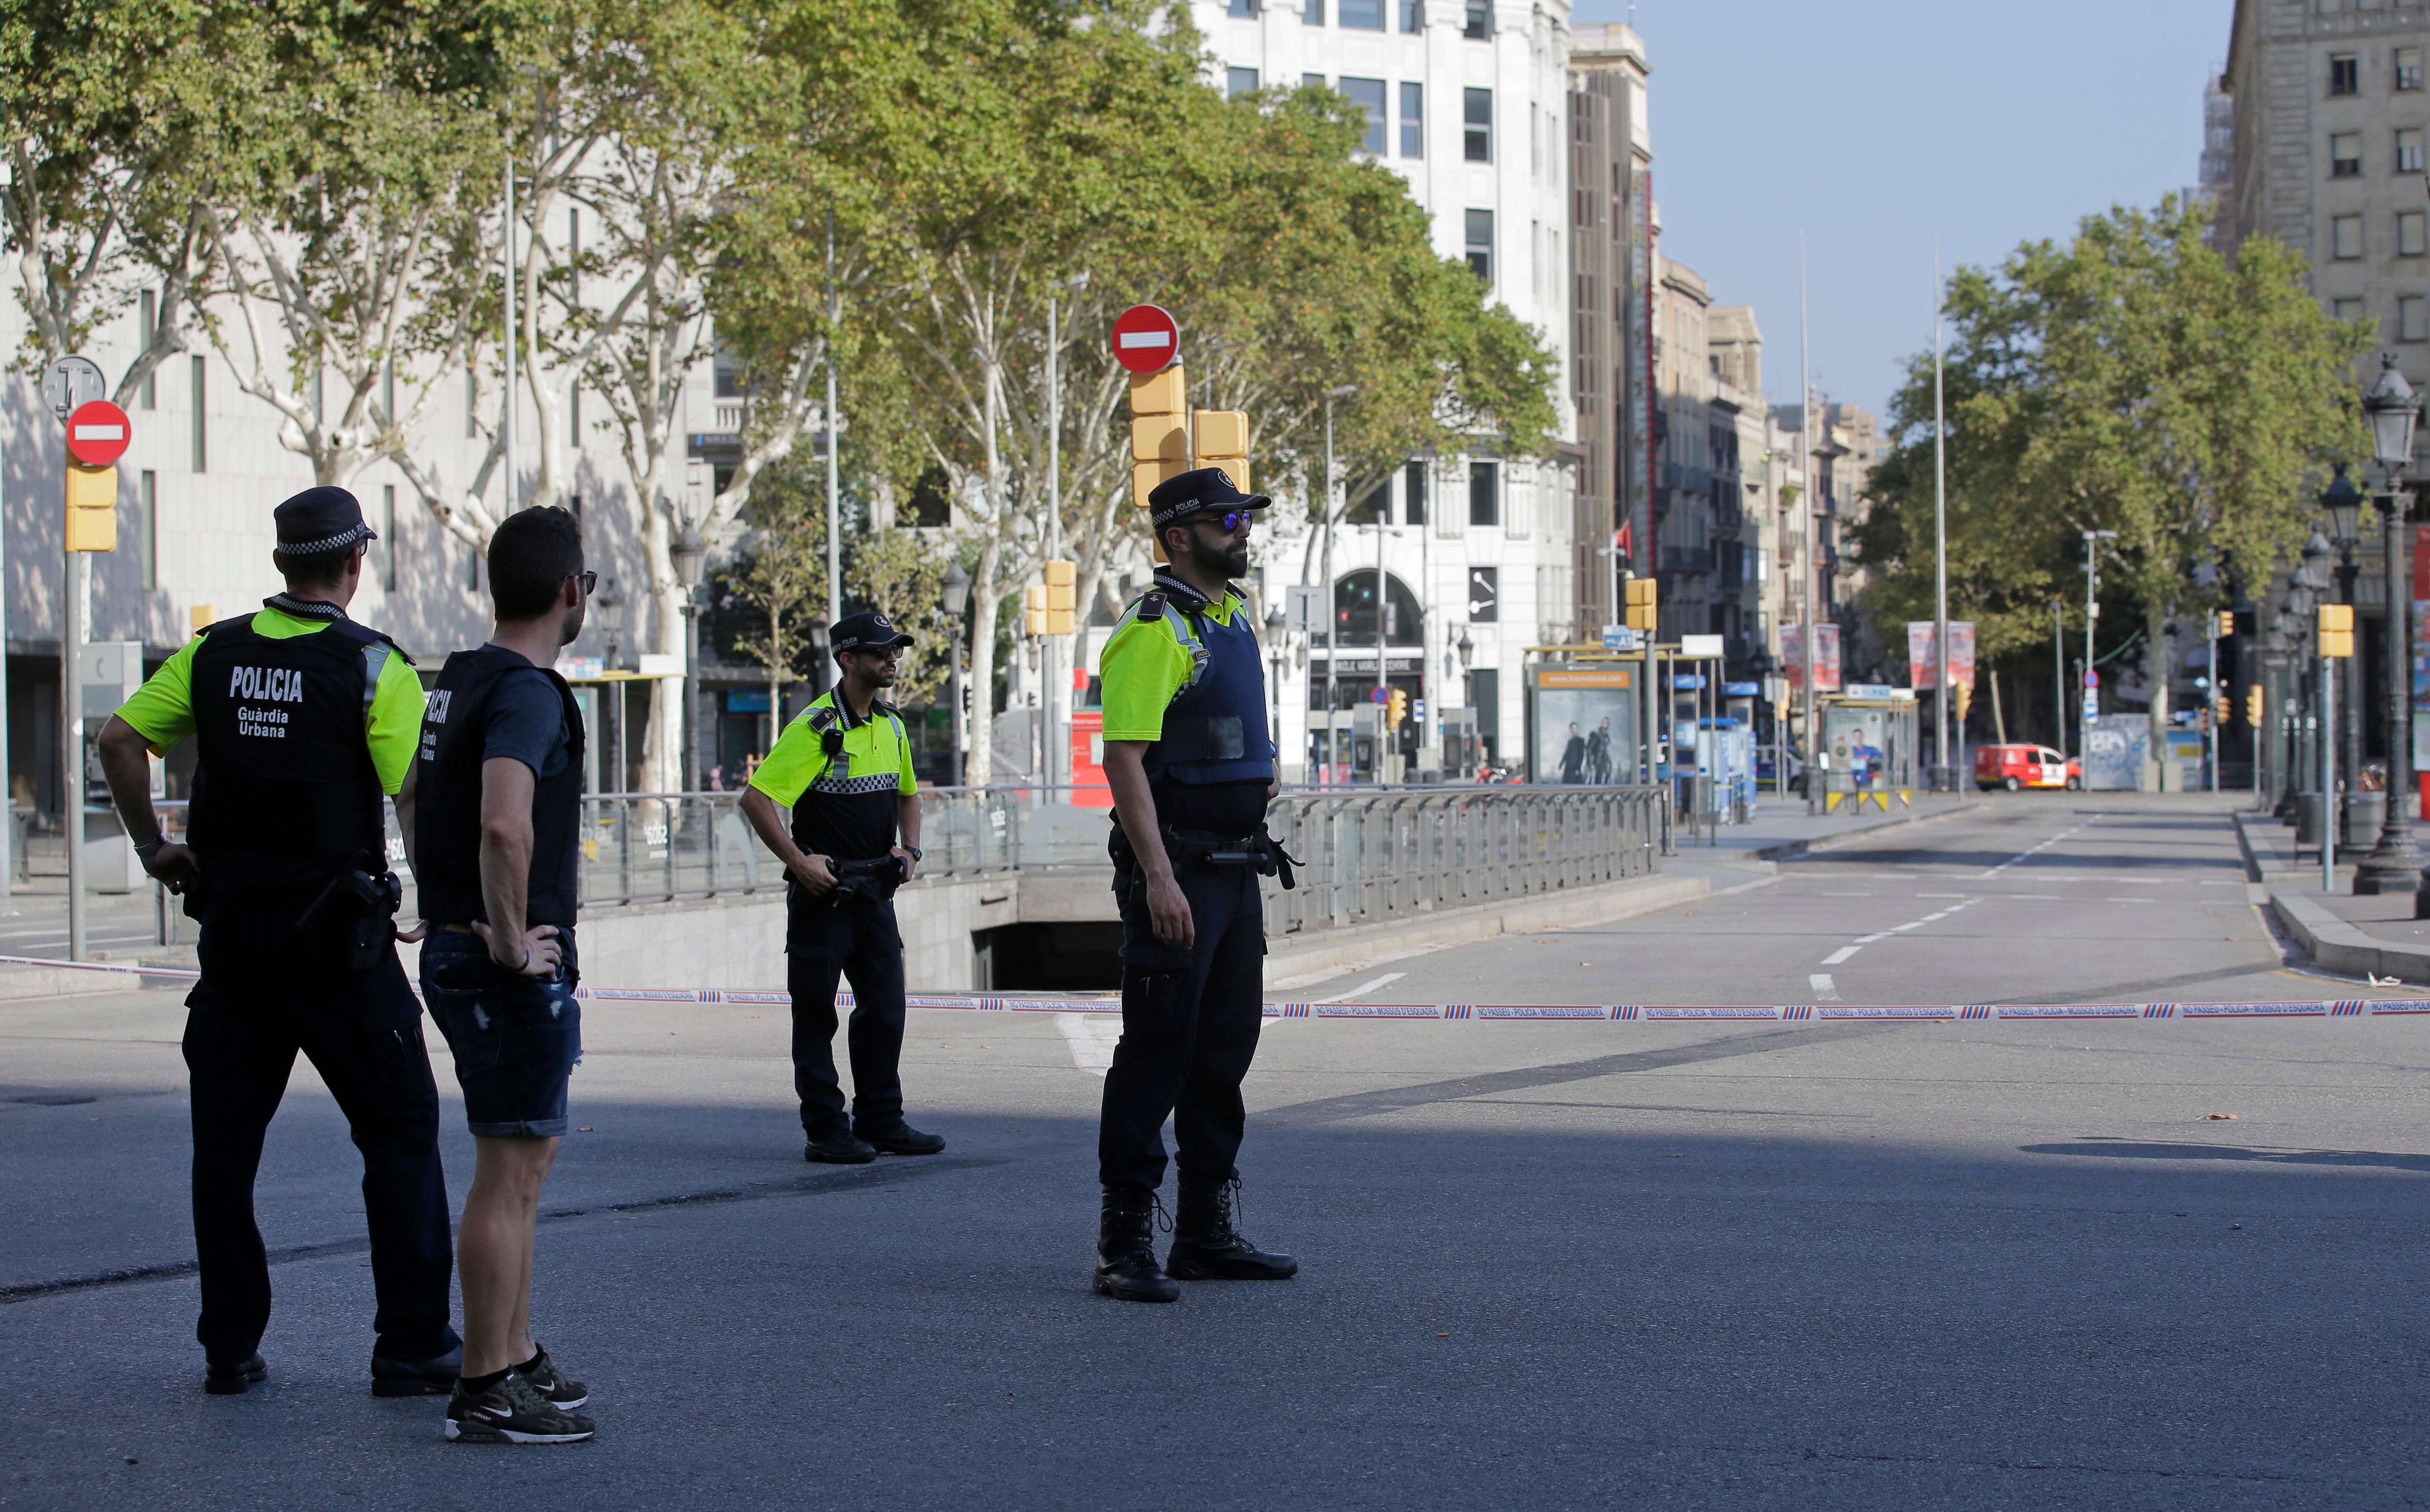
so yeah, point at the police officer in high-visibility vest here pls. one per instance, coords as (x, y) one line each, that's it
(844, 767)
(304, 721)
(1191, 766)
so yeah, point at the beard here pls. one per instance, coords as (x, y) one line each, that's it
(1233, 560)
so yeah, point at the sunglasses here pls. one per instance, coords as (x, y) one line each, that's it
(1228, 522)
(587, 580)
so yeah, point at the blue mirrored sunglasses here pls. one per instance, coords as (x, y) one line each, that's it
(1229, 521)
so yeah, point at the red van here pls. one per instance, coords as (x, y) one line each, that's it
(2024, 766)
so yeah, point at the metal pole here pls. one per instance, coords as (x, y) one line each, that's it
(2328, 771)
(834, 545)
(1050, 650)
(1384, 735)
(506, 422)
(691, 692)
(1332, 617)
(2058, 675)
(2217, 691)
(2394, 864)
(1812, 574)
(1948, 774)
(79, 565)
(2091, 551)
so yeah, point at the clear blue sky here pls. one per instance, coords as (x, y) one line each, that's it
(1868, 125)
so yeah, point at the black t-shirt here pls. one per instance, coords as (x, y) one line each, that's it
(528, 722)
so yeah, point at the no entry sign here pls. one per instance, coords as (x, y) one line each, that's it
(98, 433)
(1146, 340)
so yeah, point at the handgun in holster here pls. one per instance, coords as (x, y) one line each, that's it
(358, 911)
(876, 879)
(1198, 847)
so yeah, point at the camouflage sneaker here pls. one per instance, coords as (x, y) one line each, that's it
(511, 1411)
(550, 1382)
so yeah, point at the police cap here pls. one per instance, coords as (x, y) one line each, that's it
(871, 631)
(1199, 490)
(322, 519)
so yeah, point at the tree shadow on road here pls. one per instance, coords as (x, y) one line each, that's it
(2154, 1149)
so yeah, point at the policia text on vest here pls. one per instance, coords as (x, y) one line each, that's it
(302, 721)
(1191, 766)
(843, 768)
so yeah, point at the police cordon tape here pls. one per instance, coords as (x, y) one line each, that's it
(1507, 1012)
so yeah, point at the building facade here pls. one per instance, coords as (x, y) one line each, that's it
(1611, 157)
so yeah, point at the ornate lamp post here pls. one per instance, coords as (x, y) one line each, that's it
(2394, 864)
(2341, 517)
(690, 556)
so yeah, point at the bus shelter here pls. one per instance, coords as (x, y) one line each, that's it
(1869, 752)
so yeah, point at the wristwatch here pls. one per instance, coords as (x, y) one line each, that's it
(143, 852)
(917, 854)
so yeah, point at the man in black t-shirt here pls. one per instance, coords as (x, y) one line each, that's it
(499, 777)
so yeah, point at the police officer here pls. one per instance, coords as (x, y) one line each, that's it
(1193, 768)
(844, 767)
(303, 719)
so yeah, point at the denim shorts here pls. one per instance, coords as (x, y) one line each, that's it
(516, 1039)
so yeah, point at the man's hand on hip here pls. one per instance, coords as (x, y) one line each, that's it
(813, 874)
(910, 862)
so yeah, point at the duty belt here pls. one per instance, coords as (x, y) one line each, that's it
(1258, 850)
(874, 879)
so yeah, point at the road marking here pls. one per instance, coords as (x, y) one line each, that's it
(1823, 989)
(1944, 894)
(2130, 900)
(1841, 954)
(2032, 852)
(1362, 988)
(1092, 1036)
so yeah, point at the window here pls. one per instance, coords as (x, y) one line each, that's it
(1413, 15)
(2346, 310)
(1368, 93)
(472, 567)
(1476, 110)
(2408, 151)
(2408, 68)
(2345, 73)
(1247, 10)
(1363, 15)
(1413, 120)
(1413, 489)
(1240, 81)
(2345, 238)
(2410, 239)
(201, 438)
(2345, 154)
(1483, 491)
(1480, 244)
(148, 325)
(388, 536)
(147, 532)
(1480, 22)
(2412, 318)
(1312, 81)
(1312, 12)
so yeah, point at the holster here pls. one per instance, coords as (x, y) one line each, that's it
(357, 912)
(1258, 850)
(875, 880)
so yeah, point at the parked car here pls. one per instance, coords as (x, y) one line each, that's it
(2024, 766)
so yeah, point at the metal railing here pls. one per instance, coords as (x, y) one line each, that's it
(1366, 854)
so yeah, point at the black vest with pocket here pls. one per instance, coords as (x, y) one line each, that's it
(447, 798)
(285, 792)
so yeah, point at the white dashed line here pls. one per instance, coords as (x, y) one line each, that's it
(2029, 854)
(1840, 955)
(1862, 941)
(1821, 985)
(1363, 988)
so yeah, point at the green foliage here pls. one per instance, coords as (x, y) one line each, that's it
(2130, 380)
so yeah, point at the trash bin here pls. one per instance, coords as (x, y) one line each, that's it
(2307, 819)
(2365, 813)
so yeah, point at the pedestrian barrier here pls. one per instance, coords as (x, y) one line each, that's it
(1507, 1012)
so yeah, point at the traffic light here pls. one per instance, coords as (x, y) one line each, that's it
(1222, 439)
(92, 508)
(1396, 709)
(1059, 577)
(1033, 618)
(1640, 608)
(1160, 433)
(1965, 701)
(2253, 706)
(2222, 714)
(2227, 624)
(2337, 630)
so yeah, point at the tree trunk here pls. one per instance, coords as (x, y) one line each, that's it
(2155, 662)
(662, 740)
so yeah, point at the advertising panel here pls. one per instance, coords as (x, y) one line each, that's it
(1585, 721)
(1924, 663)
(1826, 655)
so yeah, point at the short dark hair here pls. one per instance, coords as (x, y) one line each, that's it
(531, 556)
(315, 568)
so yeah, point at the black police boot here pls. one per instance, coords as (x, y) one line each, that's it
(841, 1147)
(226, 1377)
(1206, 1246)
(900, 1139)
(1126, 1267)
(433, 1377)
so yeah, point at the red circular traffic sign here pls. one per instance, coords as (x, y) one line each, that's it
(1146, 340)
(98, 433)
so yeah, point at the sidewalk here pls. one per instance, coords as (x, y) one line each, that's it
(2368, 936)
(1782, 829)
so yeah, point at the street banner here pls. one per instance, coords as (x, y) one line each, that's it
(1826, 655)
(1924, 666)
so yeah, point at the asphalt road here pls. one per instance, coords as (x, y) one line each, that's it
(1825, 1265)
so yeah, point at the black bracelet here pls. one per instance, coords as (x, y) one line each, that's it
(144, 850)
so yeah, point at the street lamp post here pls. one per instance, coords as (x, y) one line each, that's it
(1332, 610)
(958, 598)
(2093, 539)
(2341, 515)
(1467, 649)
(2394, 864)
(690, 556)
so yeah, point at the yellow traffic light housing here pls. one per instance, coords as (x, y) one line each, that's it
(2253, 706)
(1640, 609)
(92, 508)
(2337, 630)
(1396, 708)
(1060, 576)
(2226, 623)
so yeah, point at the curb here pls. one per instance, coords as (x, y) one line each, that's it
(1788, 848)
(1367, 944)
(2337, 946)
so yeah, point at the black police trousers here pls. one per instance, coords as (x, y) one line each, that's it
(1191, 1019)
(263, 996)
(826, 943)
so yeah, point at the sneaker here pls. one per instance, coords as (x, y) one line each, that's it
(511, 1411)
(902, 1139)
(225, 1378)
(550, 1382)
(838, 1149)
